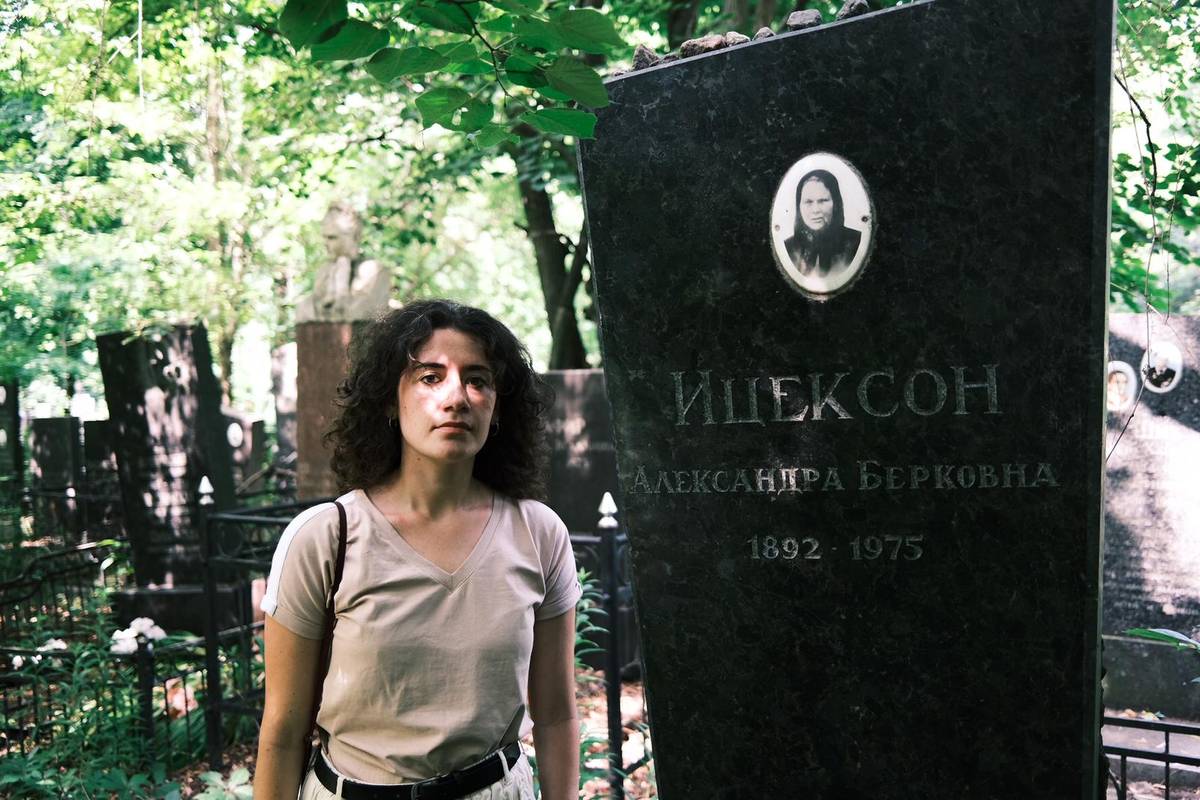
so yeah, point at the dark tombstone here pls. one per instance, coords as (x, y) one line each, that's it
(283, 386)
(583, 466)
(164, 406)
(852, 288)
(56, 477)
(322, 363)
(583, 461)
(101, 500)
(246, 438)
(12, 459)
(1152, 511)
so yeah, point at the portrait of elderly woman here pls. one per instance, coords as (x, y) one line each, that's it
(820, 241)
(822, 225)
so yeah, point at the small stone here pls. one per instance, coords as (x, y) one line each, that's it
(616, 73)
(644, 57)
(705, 44)
(808, 18)
(733, 37)
(668, 58)
(854, 8)
(764, 33)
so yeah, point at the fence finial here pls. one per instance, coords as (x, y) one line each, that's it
(206, 491)
(608, 510)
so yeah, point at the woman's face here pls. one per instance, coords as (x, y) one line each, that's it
(816, 205)
(446, 399)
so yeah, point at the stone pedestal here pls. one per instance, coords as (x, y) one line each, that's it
(322, 363)
(164, 407)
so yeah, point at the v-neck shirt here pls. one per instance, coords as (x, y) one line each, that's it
(430, 669)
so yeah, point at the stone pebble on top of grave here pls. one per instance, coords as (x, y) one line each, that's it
(644, 57)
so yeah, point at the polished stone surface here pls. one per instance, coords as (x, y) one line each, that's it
(965, 666)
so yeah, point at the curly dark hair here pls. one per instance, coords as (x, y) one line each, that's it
(366, 450)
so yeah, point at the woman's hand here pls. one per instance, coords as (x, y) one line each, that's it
(291, 664)
(552, 706)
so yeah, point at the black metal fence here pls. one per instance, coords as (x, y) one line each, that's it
(62, 685)
(1151, 764)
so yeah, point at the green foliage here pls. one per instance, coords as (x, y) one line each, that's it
(519, 62)
(235, 787)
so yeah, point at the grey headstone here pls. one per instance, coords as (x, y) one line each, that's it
(861, 469)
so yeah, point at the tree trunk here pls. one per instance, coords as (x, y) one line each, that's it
(681, 21)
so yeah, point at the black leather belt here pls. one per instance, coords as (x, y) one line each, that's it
(444, 787)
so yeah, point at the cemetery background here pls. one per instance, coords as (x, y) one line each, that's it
(176, 170)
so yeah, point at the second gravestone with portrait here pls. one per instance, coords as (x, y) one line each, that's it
(851, 285)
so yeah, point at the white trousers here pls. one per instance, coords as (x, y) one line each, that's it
(517, 785)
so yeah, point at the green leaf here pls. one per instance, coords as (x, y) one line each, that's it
(354, 39)
(568, 122)
(303, 22)
(476, 66)
(452, 17)
(534, 79)
(501, 24)
(1164, 635)
(554, 94)
(238, 777)
(516, 6)
(392, 63)
(579, 81)
(538, 35)
(586, 29)
(474, 116)
(492, 135)
(457, 52)
(438, 105)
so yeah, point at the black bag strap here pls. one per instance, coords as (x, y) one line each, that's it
(327, 638)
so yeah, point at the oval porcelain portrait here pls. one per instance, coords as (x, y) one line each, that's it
(822, 225)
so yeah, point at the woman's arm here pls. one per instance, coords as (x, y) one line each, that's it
(552, 706)
(291, 663)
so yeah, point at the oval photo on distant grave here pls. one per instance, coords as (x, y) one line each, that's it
(822, 225)
(1162, 367)
(1121, 387)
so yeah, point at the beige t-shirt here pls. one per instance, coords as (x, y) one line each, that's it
(430, 669)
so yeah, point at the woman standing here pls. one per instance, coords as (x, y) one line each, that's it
(455, 610)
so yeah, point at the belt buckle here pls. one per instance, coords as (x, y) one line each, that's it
(439, 781)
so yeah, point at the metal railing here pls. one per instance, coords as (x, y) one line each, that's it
(1166, 757)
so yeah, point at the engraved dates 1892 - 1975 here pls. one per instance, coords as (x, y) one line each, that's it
(889, 547)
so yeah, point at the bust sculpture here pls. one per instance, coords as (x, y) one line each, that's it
(348, 287)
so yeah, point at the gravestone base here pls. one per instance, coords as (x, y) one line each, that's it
(182, 608)
(321, 358)
(1149, 676)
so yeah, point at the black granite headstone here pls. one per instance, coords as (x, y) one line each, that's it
(164, 406)
(583, 461)
(852, 286)
(56, 476)
(101, 500)
(583, 466)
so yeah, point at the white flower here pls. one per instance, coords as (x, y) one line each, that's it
(52, 644)
(146, 627)
(18, 662)
(124, 645)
